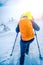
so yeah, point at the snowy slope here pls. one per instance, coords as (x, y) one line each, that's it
(10, 13)
(6, 43)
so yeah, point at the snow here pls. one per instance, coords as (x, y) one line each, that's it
(9, 16)
(7, 39)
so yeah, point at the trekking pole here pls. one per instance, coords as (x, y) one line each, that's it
(38, 46)
(14, 45)
(12, 50)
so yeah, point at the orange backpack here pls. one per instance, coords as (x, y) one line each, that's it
(26, 29)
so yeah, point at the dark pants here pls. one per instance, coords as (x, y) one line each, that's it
(24, 47)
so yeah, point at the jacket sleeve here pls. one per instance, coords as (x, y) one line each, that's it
(35, 26)
(17, 29)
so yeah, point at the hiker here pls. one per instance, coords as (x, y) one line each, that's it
(25, 27)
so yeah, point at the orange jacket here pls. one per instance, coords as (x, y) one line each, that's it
(26, 29)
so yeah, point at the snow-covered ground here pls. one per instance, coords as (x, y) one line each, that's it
(10, 13)
(7, 39)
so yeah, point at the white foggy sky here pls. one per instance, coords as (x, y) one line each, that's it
(14, 8)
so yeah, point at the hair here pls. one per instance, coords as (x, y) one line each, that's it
(24, 17)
